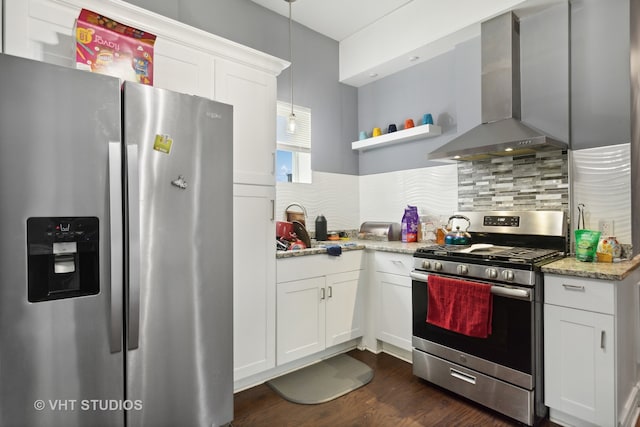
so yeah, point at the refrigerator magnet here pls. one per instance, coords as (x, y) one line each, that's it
(163, 143)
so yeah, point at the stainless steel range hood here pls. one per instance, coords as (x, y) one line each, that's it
(501, 132)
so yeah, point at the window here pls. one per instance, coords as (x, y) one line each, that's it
(293, 156)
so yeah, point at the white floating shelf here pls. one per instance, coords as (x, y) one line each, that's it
(418, 132)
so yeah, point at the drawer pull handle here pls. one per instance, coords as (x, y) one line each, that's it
(330, 291)
(573, 287)
(462, 376)
(322, 295)
(602, 339)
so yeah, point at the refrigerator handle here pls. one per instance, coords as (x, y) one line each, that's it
(133, 201)
(115, 231)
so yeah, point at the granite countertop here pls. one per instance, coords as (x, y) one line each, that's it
(354, 244)
(321, 248)
(570, 266)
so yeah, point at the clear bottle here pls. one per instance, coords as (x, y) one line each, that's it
(440, 233)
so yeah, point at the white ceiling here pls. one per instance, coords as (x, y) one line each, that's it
(336, 19)
(377, 37)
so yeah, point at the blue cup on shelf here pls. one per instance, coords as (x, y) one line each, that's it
(392, 128)
(363, 135)
(427, 119)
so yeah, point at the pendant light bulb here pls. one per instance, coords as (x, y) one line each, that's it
(291, 123)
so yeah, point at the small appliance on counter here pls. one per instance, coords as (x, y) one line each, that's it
(379, 230)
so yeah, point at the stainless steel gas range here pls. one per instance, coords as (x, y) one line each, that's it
(504, 369)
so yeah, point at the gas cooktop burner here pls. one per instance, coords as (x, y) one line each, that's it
(487, 252)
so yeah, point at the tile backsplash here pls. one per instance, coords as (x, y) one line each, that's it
(537, 181)
(600, 180)
(333, 195)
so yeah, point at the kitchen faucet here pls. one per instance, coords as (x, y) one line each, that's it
(293, 216)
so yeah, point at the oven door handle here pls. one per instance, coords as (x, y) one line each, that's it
(420, 277)
(501, 291)
(510, 292)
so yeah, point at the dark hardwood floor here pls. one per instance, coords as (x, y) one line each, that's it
(395, 397)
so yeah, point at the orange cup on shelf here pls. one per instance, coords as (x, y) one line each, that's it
(408, 123)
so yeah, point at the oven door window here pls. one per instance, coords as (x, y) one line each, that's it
(511, 340)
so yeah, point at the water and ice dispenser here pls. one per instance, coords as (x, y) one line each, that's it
(62, 257)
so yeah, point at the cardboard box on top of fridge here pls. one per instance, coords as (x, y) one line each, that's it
(109, 47)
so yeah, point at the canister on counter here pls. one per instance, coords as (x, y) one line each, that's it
(321, 228)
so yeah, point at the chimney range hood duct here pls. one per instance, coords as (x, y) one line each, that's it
(501, 132)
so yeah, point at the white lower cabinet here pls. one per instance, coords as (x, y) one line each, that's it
(590, 327)
(319, 303)
(579, 375)
(393, 302)
(344, 307)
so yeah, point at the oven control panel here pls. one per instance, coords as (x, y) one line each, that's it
(501, 221)
(475, 271)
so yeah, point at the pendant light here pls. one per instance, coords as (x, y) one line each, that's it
(291, 122)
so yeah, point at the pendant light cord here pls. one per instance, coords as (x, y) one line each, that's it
(290, 58)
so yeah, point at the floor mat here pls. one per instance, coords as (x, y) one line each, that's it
(323, 381)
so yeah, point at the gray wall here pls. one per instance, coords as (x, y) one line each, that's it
(448, 86)
(600, 86)
(315, 80)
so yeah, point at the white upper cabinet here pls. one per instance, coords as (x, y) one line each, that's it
(183, 69)
(186, 60)
(253, 96)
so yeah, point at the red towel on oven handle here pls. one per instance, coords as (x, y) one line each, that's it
(460, 306)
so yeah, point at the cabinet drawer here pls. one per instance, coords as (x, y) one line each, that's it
(302, 267)
(394, 263)
(580, 293)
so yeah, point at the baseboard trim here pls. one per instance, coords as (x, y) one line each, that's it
(627, 417)
(397, 352)
(262, 377)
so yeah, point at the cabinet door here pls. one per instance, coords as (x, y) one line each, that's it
(579, 363)
(301, 318)
(182, 69)
(254, 280)
(344, 307)
(394, 310)
(253, 96)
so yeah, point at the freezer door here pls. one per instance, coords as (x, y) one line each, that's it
(179, 363)
(59, 358)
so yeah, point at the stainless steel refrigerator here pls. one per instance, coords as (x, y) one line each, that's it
(116, 280)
